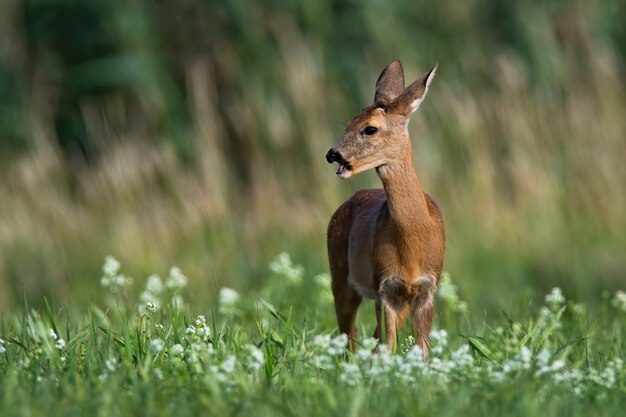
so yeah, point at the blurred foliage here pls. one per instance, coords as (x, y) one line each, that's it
(193, 132)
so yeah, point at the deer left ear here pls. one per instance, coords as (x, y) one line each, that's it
(411, 98)
(390, 84)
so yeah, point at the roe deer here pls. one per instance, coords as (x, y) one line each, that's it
(386, 244)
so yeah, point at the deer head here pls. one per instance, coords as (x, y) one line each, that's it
(378, 134)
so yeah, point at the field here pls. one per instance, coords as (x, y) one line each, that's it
(262, 355)
(193, 133)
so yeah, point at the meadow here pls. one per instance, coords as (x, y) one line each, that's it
(278, 353)
(193, 133)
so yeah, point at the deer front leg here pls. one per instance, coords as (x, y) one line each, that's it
(347, 303)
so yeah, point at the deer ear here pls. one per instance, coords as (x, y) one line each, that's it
(390, 84)
(411, 98)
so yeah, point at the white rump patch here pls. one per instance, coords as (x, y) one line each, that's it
(427, 285)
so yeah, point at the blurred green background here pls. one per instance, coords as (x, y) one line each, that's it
(193, 133)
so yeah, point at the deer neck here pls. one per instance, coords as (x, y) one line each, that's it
(406, 201)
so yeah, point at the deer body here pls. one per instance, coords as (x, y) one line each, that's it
(386, 244)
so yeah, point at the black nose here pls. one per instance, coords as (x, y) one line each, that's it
(333, 156)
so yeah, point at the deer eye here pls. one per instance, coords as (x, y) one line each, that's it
(369, 130)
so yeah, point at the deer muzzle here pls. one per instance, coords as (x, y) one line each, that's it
(332, 156)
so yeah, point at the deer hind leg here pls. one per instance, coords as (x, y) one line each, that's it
(347, 302)
(378, 320)
(394, 319)
(394, 295)
(422, 311)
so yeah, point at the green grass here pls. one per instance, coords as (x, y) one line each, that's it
(276, 352)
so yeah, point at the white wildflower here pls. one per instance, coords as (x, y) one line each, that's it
(496, 375)
(176, 280)
(282, 265)
(462, 358)
(579, 309)
(555, 299)
(369, 343)
(619, 301)
(255, 359)
(321, 341)
(157, 345)
(557, 365)
(154, 284)
(228, 299)
(111, 364)
(2, 348)
(177, 349)
(338, 344)
(441, 369)
(525, 357)
(111, 266)
(439, 341)
(151, 294)
(326, 349)
(111, 277)
(334, 346)
(571, 377)
(199, 330)
(229, 365)
(323, 283)
(150, 308)
(158, 373)
(607, 378)
(60, 343)
(362, 355)
(543, 358)
(447, 292)
(544, 316)
(322, 280)
(543, 363)
(509, 366)
(415, 357)
(52, 334)
(381, 363)
(350, 374)
(411, 365)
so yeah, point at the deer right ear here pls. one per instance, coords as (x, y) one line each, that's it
(390, 84)
(411, 98)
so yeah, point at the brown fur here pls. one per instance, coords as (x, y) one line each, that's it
(388, 243)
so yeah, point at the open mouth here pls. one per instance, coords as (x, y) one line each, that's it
(335, 157)
(343, 167)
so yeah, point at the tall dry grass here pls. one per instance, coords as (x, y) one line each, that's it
(523, 148)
